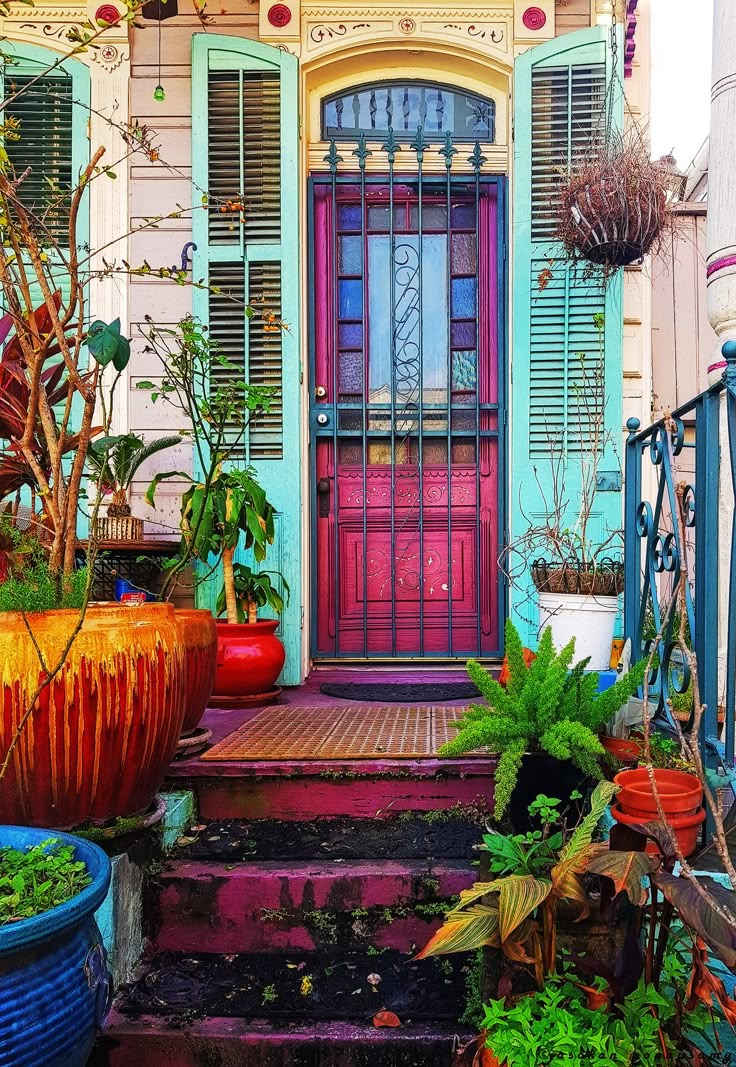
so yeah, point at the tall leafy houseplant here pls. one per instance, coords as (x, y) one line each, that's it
(547, 706)
(224, 508)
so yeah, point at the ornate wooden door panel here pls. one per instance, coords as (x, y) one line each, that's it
(405, 416)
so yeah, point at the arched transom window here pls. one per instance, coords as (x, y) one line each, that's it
(404, 106)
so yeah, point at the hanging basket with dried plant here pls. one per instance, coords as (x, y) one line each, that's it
(615, 205)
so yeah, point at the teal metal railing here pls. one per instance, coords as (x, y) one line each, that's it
(677, 576)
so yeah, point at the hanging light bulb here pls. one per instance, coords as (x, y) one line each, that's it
(159, 94)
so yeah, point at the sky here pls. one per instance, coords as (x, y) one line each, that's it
(681, 59)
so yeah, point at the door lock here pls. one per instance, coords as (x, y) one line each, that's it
(322, 419)
(320, 392)
(323, 492)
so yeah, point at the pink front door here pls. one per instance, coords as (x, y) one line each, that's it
(405, 418)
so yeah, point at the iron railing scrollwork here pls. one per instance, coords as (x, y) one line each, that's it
(674, 574)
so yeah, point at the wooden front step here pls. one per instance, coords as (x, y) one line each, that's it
(154, 1042)
(300, 790)
(273, 907)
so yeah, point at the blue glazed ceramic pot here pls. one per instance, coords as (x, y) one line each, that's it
(54, 981)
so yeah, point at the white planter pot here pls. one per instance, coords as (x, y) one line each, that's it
(589, 619)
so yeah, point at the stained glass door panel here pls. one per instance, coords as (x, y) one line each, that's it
(405, 418)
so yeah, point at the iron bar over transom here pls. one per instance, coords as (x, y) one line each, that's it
(407, 400)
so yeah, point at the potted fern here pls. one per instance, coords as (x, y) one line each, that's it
(544, 725)
(115, 462)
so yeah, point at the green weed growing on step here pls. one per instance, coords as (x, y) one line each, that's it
(269, 994)
(324, 924)
(276, 915)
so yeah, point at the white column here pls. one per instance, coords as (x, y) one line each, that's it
(721, 245)
(109, 209)
(721, 270)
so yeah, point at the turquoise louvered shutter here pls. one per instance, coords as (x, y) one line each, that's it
(51, 146)
(560, 104)
(245, 150)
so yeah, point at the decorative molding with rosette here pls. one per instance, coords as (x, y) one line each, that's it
(451, 14)
(487, 30)
(49, 25)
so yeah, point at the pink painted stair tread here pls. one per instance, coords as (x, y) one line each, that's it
(352, 732)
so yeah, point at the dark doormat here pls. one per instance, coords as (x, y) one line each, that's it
(401, 692)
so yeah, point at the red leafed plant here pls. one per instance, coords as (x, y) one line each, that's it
(15, 403)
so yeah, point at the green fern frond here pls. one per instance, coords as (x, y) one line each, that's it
(608, 703)
(479, 735)
(550, 697)
(545, 654)
(488, 687)
(573, 741)
(507, 772)
(518, 670)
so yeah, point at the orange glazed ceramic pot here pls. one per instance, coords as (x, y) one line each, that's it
(200, 648)
(99, 742)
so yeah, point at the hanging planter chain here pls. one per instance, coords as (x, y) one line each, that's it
(614, 202)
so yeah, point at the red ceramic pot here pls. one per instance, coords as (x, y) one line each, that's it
(624, 749)
(686, 828)
(680, 793)
(249, 660)
(105, 729)
(199, 632)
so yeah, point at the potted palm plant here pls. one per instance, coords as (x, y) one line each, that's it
(224, 510)
(115, 462)
(251, 655)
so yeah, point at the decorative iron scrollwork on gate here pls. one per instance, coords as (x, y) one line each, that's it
(676, 473)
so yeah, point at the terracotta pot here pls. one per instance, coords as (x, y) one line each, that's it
(686, 828)
(98, 745)
(200, 646)
(681, 793)
(249, 660)
(624, 749)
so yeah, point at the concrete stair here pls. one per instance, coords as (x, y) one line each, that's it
(288, 917)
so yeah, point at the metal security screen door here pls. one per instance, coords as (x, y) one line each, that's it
(407, 405)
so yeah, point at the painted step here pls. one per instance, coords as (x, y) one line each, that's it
(302, 790)
(152, 1042)
(274, 907)
(299, 986)
(448, 833)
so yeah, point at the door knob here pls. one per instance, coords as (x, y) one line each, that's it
(320, 392)
(323, 492)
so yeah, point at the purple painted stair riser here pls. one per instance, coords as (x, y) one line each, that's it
(151, 1042)
(303, 798)
(262, 907)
